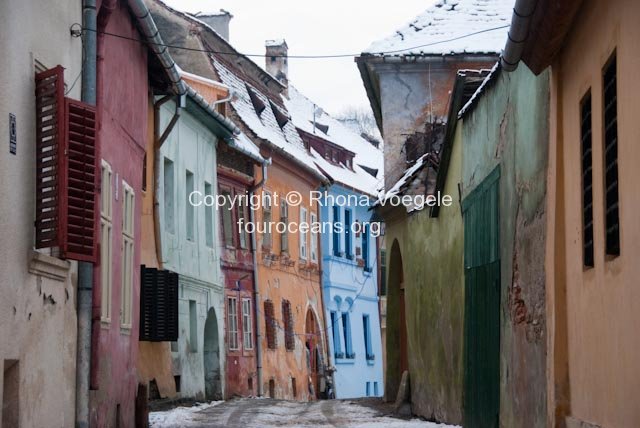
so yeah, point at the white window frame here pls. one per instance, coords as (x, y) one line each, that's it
(232, 323)
(304, 255)
(313, 219)
(106, 241)
(128, 246)
(247, 324)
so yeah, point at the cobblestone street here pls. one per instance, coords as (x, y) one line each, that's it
(247, 413)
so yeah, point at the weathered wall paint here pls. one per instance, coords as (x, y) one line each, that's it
(300, 286)
(191, 147)
(509, 127)
(432, 263)
(413, 94)
(594, 345)
(348, 288)
(122, 92)
(38, 291)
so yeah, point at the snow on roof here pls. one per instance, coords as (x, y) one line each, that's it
(302, 108)
(406, 177)
(443, 25)
(478, 93)
(275, 42)
(265, 124)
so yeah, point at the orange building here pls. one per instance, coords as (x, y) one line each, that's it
(592, 272)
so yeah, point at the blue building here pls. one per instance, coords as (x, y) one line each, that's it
(349, 246)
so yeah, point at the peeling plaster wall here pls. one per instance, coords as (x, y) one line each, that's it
(413, 93)
(432, 257)
(509, 127)
(37, 292)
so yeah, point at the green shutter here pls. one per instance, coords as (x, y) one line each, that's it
(482, 305)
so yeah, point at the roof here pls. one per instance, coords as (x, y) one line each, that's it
(440, 30)
(264, 124)
(302, 110)
(486, 83)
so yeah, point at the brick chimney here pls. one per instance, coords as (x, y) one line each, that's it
(277, 63)
(219, 21)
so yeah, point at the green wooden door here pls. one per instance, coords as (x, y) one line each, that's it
(482, 305)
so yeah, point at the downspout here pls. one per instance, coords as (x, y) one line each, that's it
(518, 33)
(85, 269)
(256, 289)
(158, 140)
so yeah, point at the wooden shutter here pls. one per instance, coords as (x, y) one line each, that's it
(158, 305)
(49, 142)
(287, 318)
(270, 323)
(66, 170)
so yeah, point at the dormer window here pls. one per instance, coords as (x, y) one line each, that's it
(258, 104)
(322, 128)
(281, 118)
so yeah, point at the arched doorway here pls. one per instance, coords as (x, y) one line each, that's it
(397, 357)
(313, 348)
(211, 352)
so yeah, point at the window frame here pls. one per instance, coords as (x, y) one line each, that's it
(302, 235)
(233, 341)
(247, 324)
(313, 219)
(106, 245)
(128, 253)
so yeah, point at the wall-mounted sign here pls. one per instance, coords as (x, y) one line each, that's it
(13, 134)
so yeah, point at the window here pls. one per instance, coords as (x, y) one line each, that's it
(284, 219)
(346, 328)
(335, 332)
(294, 387)
(347, 234)
(159, 306)
(256, 101)
(287, 320)
(270, 324)
(227, 220)
(106, 241)
(314, 238)
(169, 206)
(232, 322)
(266, 219)
(193, 326)
(208, 216)
(366, 328)
(303, 234)
(365, 247)
(240, 225)
(190, 211)
(10, 393)
(247, 324)
(383, 272)
(612, 220)
(144, 173)
(336, 231)
(587, 181)
(375, 389)
(128, 216)
(368, 389)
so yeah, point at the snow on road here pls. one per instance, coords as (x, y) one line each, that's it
(249, 413)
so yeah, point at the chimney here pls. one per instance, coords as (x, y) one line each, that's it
(277, 63)
(218, 21)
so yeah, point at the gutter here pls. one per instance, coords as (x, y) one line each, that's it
(85, 270)
(518, 33)
(256, 289)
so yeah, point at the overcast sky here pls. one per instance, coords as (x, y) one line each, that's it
(311, 28)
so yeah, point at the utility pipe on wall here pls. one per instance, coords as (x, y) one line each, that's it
(85, 269)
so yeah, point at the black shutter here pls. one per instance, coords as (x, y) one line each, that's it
(158, 305)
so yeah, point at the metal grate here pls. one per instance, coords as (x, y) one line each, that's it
(270, 324)
(587, 180)
(612, 220)
(287, 318)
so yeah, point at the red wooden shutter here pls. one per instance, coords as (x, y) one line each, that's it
(66, 170)
(80, 182)
(49, 142)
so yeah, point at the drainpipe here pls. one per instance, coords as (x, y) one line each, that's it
(158, 140)
(518, 33)
(85, 269)
(256, 290)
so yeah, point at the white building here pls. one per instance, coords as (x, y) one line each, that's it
(37, 288)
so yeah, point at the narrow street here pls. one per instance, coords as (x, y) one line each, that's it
(247, 413)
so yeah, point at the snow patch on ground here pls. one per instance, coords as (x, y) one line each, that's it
(180, 416)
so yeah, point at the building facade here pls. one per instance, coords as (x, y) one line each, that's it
(410, 91)
(38, 287)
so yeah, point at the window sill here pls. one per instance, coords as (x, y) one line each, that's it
(371, 362)
(345, 360)
(50, 267)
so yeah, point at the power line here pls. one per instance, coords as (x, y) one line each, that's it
(327, 56)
